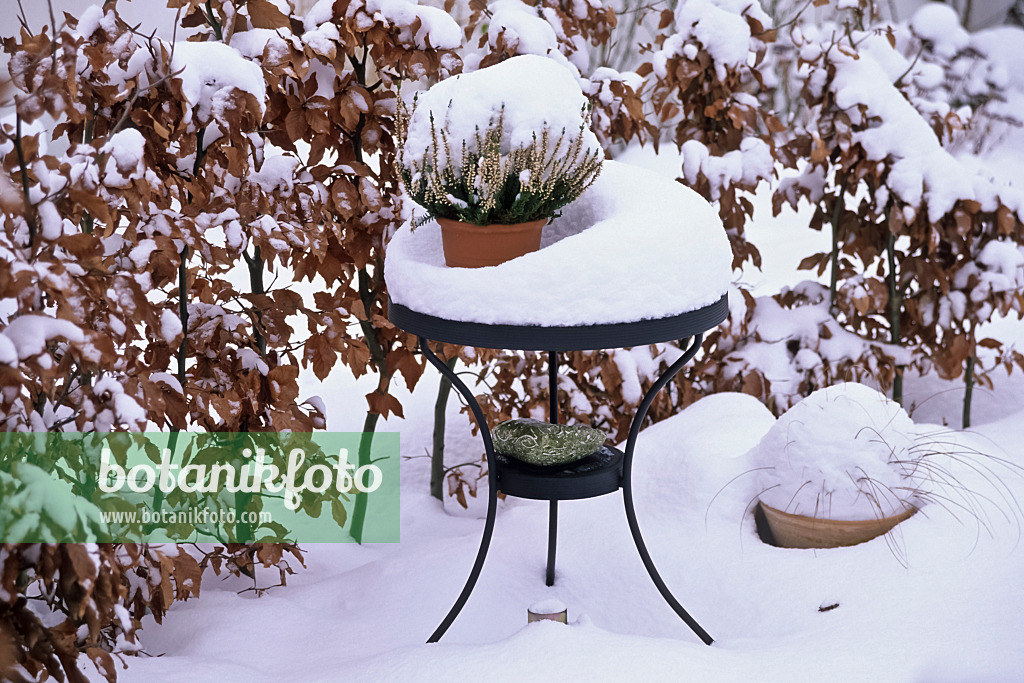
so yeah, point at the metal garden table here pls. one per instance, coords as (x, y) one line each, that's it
(604, 472)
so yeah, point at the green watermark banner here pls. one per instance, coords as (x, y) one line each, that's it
(160, 487)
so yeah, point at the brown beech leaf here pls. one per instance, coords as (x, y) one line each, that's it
(384, 404)
(460, 496)
(320, 355)
(405, 362)
(753, 384)
(970, 205)
(1005, 220)
(104, 663)
(282, 383)
(819, 153)
(295, 124)
(264, 14)
(166, 572)
(188, 576)
(890, 36)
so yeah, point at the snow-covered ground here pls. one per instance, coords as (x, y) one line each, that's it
(940, 600)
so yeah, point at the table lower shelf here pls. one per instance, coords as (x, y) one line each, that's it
(594, 475)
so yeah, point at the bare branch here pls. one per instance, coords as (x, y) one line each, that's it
(53, 42)
(30, 218)
(21, 17)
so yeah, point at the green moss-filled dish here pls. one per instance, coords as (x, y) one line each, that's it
(543, 443)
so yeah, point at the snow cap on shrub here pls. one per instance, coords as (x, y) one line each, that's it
(536, 93)
(839, 454)
(940, 25)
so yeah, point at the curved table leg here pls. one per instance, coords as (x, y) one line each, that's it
(492, 493)
(627, 489)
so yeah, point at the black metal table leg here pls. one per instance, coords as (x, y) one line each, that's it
(492, 493)
(549, 576)
(627, 489)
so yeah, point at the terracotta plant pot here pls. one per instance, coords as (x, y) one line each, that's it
(475, 246)
(797, 531)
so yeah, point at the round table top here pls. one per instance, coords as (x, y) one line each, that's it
(560, 338)
(635, 247)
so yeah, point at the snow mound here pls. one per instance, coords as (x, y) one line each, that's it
(208, 72)
(720, 28)
(434, 27)
(523, 28)
(29, 334)
(634, 246)
(535, 93)
(1005, 46)
(940, 25)
(548, 606)
(126, 149)
(839, 454)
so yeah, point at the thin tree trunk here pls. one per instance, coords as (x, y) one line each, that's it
(895, 308)
(837, 214)
(379, 359)
(968, 11)
(365, 444)
(969, 379)
(244, 530)
(255, 264)
(365, 453)
(968, 391)
(437, 453)
(172, 444)
(378, 355)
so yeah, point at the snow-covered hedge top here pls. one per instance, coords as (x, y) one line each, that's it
(924, 175)
(635, 246)
(536, 93)
(940, 25)
(208, 71)
(844, 452)
(435, 27)
(522, 27)
(922, 171)
(720, 26)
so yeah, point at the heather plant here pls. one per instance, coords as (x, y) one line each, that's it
(487, 186)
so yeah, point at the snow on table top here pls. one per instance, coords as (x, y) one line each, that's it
(635, 246)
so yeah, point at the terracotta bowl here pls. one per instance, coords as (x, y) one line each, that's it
(797, 531)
